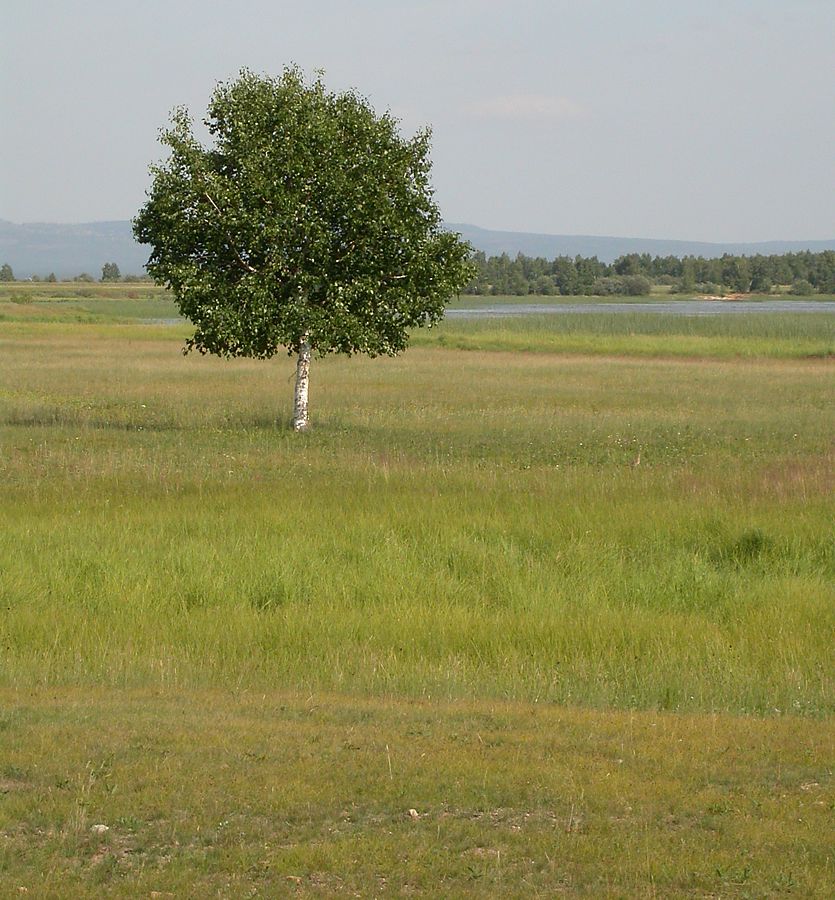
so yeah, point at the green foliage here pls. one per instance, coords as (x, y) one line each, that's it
(310, 218)
(110, 272)
(6, 273)
(136, 279)
(628, 285)
(634, 274)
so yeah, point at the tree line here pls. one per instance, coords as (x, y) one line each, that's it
(634, 274)
(109, 273)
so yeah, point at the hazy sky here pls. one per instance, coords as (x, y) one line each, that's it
(694, 119)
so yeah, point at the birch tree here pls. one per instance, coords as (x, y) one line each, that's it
(307, 224)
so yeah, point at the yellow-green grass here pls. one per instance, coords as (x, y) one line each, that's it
(35, 291)
(611, 532)
(84, 302)
(574, 610)
(267, 794)
(642, 334)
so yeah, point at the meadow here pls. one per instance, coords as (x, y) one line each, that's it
(562, 586)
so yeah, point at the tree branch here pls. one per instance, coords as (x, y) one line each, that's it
(348, 251)
(229, 241)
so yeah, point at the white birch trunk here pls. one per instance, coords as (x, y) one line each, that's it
(301, 417)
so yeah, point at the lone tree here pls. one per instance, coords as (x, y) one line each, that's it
(6, 273)
(308, 225)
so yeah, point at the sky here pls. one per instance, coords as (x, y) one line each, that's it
(691, 119)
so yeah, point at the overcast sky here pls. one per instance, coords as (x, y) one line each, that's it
(693, 119)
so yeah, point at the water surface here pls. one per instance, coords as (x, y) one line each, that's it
(667, 307)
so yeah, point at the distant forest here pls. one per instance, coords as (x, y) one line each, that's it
(636, 273)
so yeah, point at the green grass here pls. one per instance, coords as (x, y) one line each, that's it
(498, 572)
(74, 302)
(643, 334)
(599, 531)
(236, 794)
(600, 333)
(46, 291)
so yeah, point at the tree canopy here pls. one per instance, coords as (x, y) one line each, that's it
(110, 272)
(804, 272)
(309, 222)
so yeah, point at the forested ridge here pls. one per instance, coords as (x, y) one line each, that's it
(636, 273)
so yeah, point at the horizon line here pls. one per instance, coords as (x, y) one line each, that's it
(506, 231)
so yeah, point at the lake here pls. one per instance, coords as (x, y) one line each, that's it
(667, 307)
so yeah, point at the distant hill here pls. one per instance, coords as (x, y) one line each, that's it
(69, 250)
(608, 249)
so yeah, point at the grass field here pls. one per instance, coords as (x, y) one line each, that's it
(567, 594)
